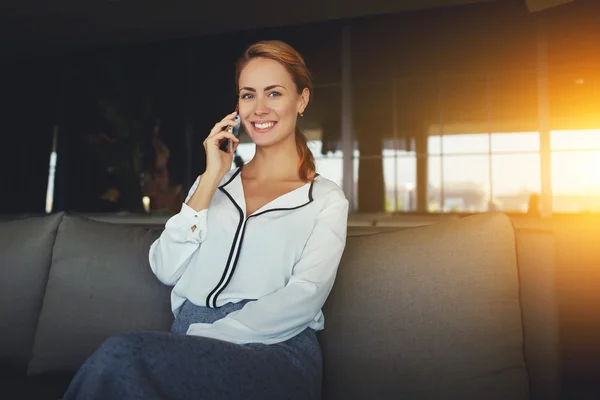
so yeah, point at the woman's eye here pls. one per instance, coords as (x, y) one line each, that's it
(251, 96)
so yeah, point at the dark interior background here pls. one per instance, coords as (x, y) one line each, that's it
(192, 80)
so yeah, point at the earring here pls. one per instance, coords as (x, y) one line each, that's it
(302, 115)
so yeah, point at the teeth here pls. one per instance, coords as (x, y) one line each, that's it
(264, 126)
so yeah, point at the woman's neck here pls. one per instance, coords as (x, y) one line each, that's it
(278, 162)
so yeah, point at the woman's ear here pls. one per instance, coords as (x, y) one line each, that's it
(304, 99)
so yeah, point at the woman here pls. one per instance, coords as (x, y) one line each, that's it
(252, 257)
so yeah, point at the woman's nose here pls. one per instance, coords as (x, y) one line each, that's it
(261, 108)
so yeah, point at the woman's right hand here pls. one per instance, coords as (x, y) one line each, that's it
(218, 162)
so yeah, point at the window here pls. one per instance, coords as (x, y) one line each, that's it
(459, 173)
(481, 172)
(331, 165)
(515, 164)
(466, 183)
(465, 144)
(399, 174)
(434, 182)
(513, 142)
(515, 177)
(575, 170)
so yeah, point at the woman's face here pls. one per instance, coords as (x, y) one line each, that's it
(269, 102)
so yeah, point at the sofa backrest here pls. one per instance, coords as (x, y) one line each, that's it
(429, 312)
(538, 282)
(100, 283)
(25, 253)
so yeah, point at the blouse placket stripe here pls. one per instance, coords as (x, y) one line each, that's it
(236, 246)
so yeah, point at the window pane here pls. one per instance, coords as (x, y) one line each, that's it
(330, 166)
(515, 141)
(434, 145)
(315, 146)
(574, 140)
(434, 178)
(514, 178)
(576, 181)
(399, 174)
(466, 183)
(465, 144)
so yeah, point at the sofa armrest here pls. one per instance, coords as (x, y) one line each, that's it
(536, 252)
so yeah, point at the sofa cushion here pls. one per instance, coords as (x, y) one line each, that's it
(427, 313)
(25, 255)
(100, 284)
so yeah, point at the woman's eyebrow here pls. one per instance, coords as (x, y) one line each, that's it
(266, 88)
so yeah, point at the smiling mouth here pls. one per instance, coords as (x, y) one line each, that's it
(262, 127)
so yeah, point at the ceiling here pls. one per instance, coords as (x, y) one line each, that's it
(40, 27)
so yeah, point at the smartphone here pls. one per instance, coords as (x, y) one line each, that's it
(224, 146)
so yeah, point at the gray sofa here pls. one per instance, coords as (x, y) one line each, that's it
(461, 309)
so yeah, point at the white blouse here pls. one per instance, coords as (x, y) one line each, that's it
(285, 256)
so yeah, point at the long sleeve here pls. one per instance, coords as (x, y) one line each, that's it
(170, 254)
(286, 312)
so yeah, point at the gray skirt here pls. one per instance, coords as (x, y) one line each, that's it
(172, 365)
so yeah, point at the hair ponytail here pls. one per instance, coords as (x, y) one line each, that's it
(293, 62)
(306, 166)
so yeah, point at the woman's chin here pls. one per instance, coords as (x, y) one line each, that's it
(264, 140)
(270, 139)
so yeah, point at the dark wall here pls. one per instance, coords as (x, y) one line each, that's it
(27, 108)
(191, 83)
